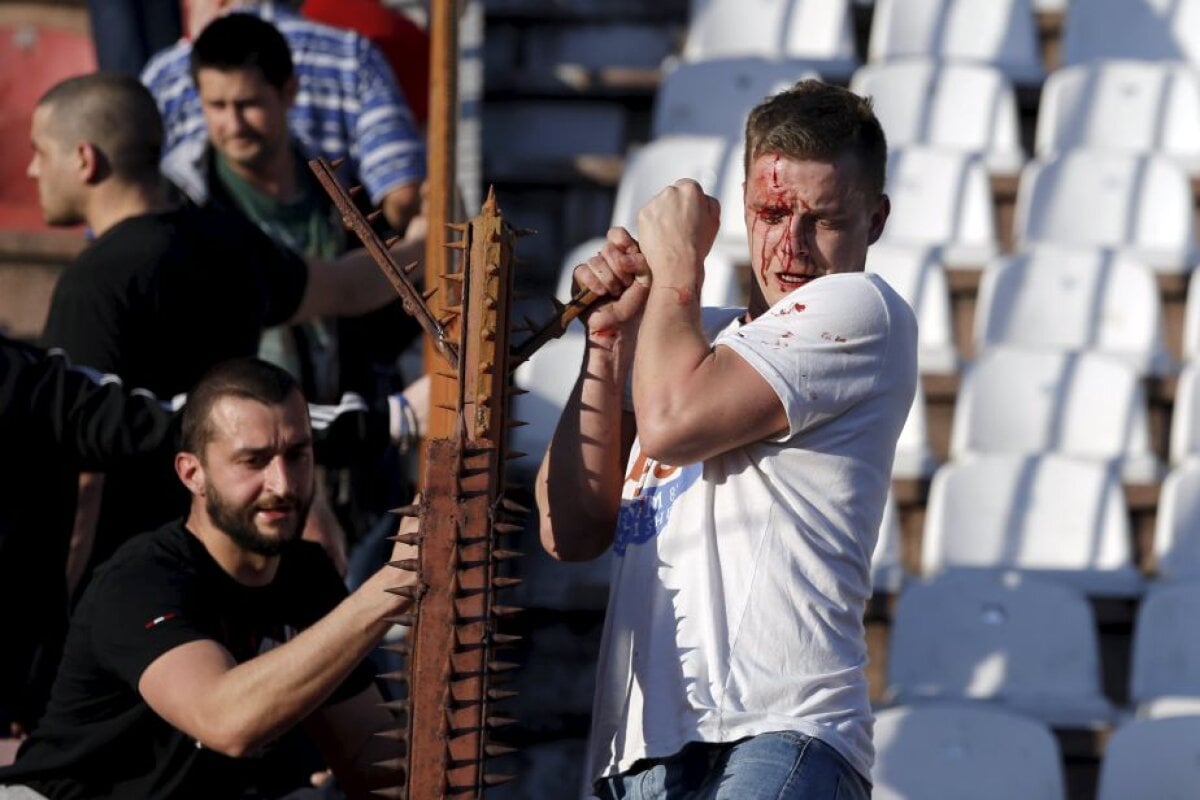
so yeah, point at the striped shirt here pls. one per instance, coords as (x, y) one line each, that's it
(348, 104)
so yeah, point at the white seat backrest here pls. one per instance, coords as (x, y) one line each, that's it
(1134, 107)
(917, 275)
(1087, 405)
(548, 377)
(966, 107)
(820, 31)
(714, 97)
(1073, 298)
(996, 32)
(1165, 657)
(1150, 30)
(887, 569)
(1191, 319)
(1019, 642)
(1177, 523)
(1185, 417)
(1102, 199)
(1050, 514)
(1157, 758)
(661, 162)
(941, 198)
(957, 751)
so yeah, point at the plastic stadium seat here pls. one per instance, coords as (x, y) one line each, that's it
(943, 199)
(661, 162)
(887, 568)
(1191, 320)
(1089, 198)
(914, 458)
(916, 273)
(1069, 298)
(1185, 417)
(1022, 644)
(32, 59)
(714, 97)
(1134, 107)
(1177, 524)
(818, 31)
(951, 752)
(1158, 758)
(548, 377)
(1053, 516)
(1165, 664)
(1086, 405)
(1151, 30)
(996, 32)
(967, 107)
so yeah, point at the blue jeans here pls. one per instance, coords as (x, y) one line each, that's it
(771, 766)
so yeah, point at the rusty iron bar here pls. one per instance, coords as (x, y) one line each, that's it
(555, 328)
(411, 297)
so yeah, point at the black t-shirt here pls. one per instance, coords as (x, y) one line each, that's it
(99, 739)
(162, 297)
(159, 299)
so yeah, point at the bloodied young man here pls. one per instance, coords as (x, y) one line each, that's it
(200, 648)
(743, 516)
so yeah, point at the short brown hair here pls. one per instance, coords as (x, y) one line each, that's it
(117, 114)
(249, 378)
(818, 121)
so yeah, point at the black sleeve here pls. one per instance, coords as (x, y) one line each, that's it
(87, 318)
(97, 424)
(283, 272)
(349, 433)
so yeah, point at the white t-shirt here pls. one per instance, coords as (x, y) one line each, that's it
(739, 584)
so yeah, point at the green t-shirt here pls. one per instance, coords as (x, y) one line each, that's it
(305, 225)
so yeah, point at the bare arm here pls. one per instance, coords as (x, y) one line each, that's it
(353, 284)
(235, 708)
(579, 484)
(693, 401)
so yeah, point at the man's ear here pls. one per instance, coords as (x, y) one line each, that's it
(89, 161)
(879, 218)
(191, 472)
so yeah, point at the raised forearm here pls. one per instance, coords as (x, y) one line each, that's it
(579, 484)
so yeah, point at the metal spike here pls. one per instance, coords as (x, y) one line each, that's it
(446, 320)
(504, 555)
(500, 722)
(412, 267)
(497, 750)
(407, 538)
(391, 240)
(411, 592)
(337, 162)
(517, 423)
(506, 527)
(506, 639)
(392, 764)
(395, 705)
(513, 455)
(356, 190)
(505, 611)
(375, 215)
(512, 505)
(454, 309)
(500, 694)
(502, 582)
(396, 735)
(559, 305)
(461, 227)
(406, 564)
(400, 648)
(518, 232)
(446, 407)
(501, 666)
(407, 620)
(461, 244)
(397, 677)
(411, 510)
(447, 374)
(391, 793)
(497, 779)
(457, 277)
(429, 295)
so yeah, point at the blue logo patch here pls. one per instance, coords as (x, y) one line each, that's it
(645, 515)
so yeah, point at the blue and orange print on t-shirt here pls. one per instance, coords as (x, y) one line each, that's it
(650, 490)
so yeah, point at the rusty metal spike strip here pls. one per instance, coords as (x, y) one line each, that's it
(354, 220)
(453, 660)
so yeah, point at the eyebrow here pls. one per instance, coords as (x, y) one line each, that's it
(258, 451)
